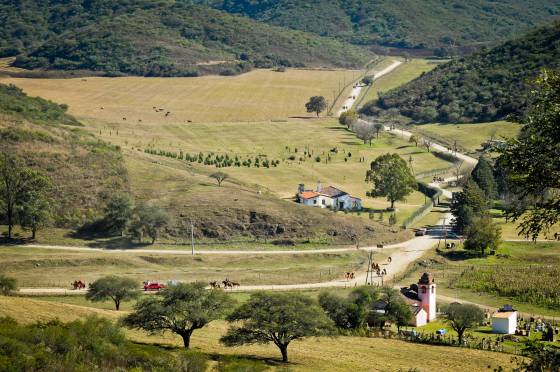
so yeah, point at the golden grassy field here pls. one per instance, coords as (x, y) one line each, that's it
(254, 96)
(58, 268)
(314, 354)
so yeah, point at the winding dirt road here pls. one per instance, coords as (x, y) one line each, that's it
(355, 92)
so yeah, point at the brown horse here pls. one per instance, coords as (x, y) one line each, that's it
(214, 284)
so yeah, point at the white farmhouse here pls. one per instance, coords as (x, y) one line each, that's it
(504, 321)
(328, 197)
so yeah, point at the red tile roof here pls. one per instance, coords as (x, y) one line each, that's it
(308, 195)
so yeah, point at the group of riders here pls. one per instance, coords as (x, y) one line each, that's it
(226, 283)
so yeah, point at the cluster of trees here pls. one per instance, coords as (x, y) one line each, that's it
(530, 164)
(15, 102)
(364, 130)
(485, 86)
(360, 308)
(23, 196)
(419, 24)
(122, 217)
(471, 206)
(525, 176)
(391, 177)
(218, 160)
(135, 37)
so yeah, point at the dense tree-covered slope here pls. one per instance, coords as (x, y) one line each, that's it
(83, 170)
(401, 23)
(486, 86)
(164, 38)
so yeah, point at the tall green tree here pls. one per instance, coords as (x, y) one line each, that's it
(533, 160)
(483, 175)
(279, 318)
(148, 220)
(35, 209)
(22, 191)
(180, 309)
(466, 205)
(462, 317)
(118, 213)
(391, 177)
(483, 234)
(113, 288)
(316, 104)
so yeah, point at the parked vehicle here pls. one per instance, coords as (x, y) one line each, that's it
(153, 286)
(420, 232)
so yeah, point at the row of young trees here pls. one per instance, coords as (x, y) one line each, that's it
(217, 160)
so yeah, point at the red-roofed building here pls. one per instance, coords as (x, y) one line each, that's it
(328, 197)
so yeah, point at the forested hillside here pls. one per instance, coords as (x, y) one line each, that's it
(400, 23)
(83, 170)
(486, 86)
(155, 38)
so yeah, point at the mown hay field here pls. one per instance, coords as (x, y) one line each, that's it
(254, 96)
(346, 168)
(39, 268)
(314, 354)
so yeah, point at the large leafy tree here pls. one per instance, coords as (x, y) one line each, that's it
(180, 309)
(462, 317)
(468, 204)
(533, 160)
(117, 213)
(483, 175)
(22, 192)
(316, 104)
(391, 177)
(483, 234)
(279, 318)
(148, 220)
(113, 288)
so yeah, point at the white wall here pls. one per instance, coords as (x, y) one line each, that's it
(504, 325)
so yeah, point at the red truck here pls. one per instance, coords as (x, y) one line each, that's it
(153, 286)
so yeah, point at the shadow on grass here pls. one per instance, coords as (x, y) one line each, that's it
(459, 255)
(119, 242)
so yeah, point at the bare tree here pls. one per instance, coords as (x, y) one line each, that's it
(352, 235)
(364, 131)
(378, 128)
(457, 165)
(219, 177)
(427, 143)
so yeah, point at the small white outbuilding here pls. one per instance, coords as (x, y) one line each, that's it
(504, 322)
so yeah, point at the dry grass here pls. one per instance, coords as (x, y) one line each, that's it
(315, 354)
(254, 96)
(469, 136)
(51, 268)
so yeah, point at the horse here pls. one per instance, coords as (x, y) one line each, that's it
(234, 284)
(227, 283)
(214, 284)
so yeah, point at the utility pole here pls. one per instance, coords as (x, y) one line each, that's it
(445, 233)
(192, 238)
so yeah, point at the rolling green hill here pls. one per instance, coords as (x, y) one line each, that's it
(486, 86)
(84, 170)
(400, 23)
(156, 38)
